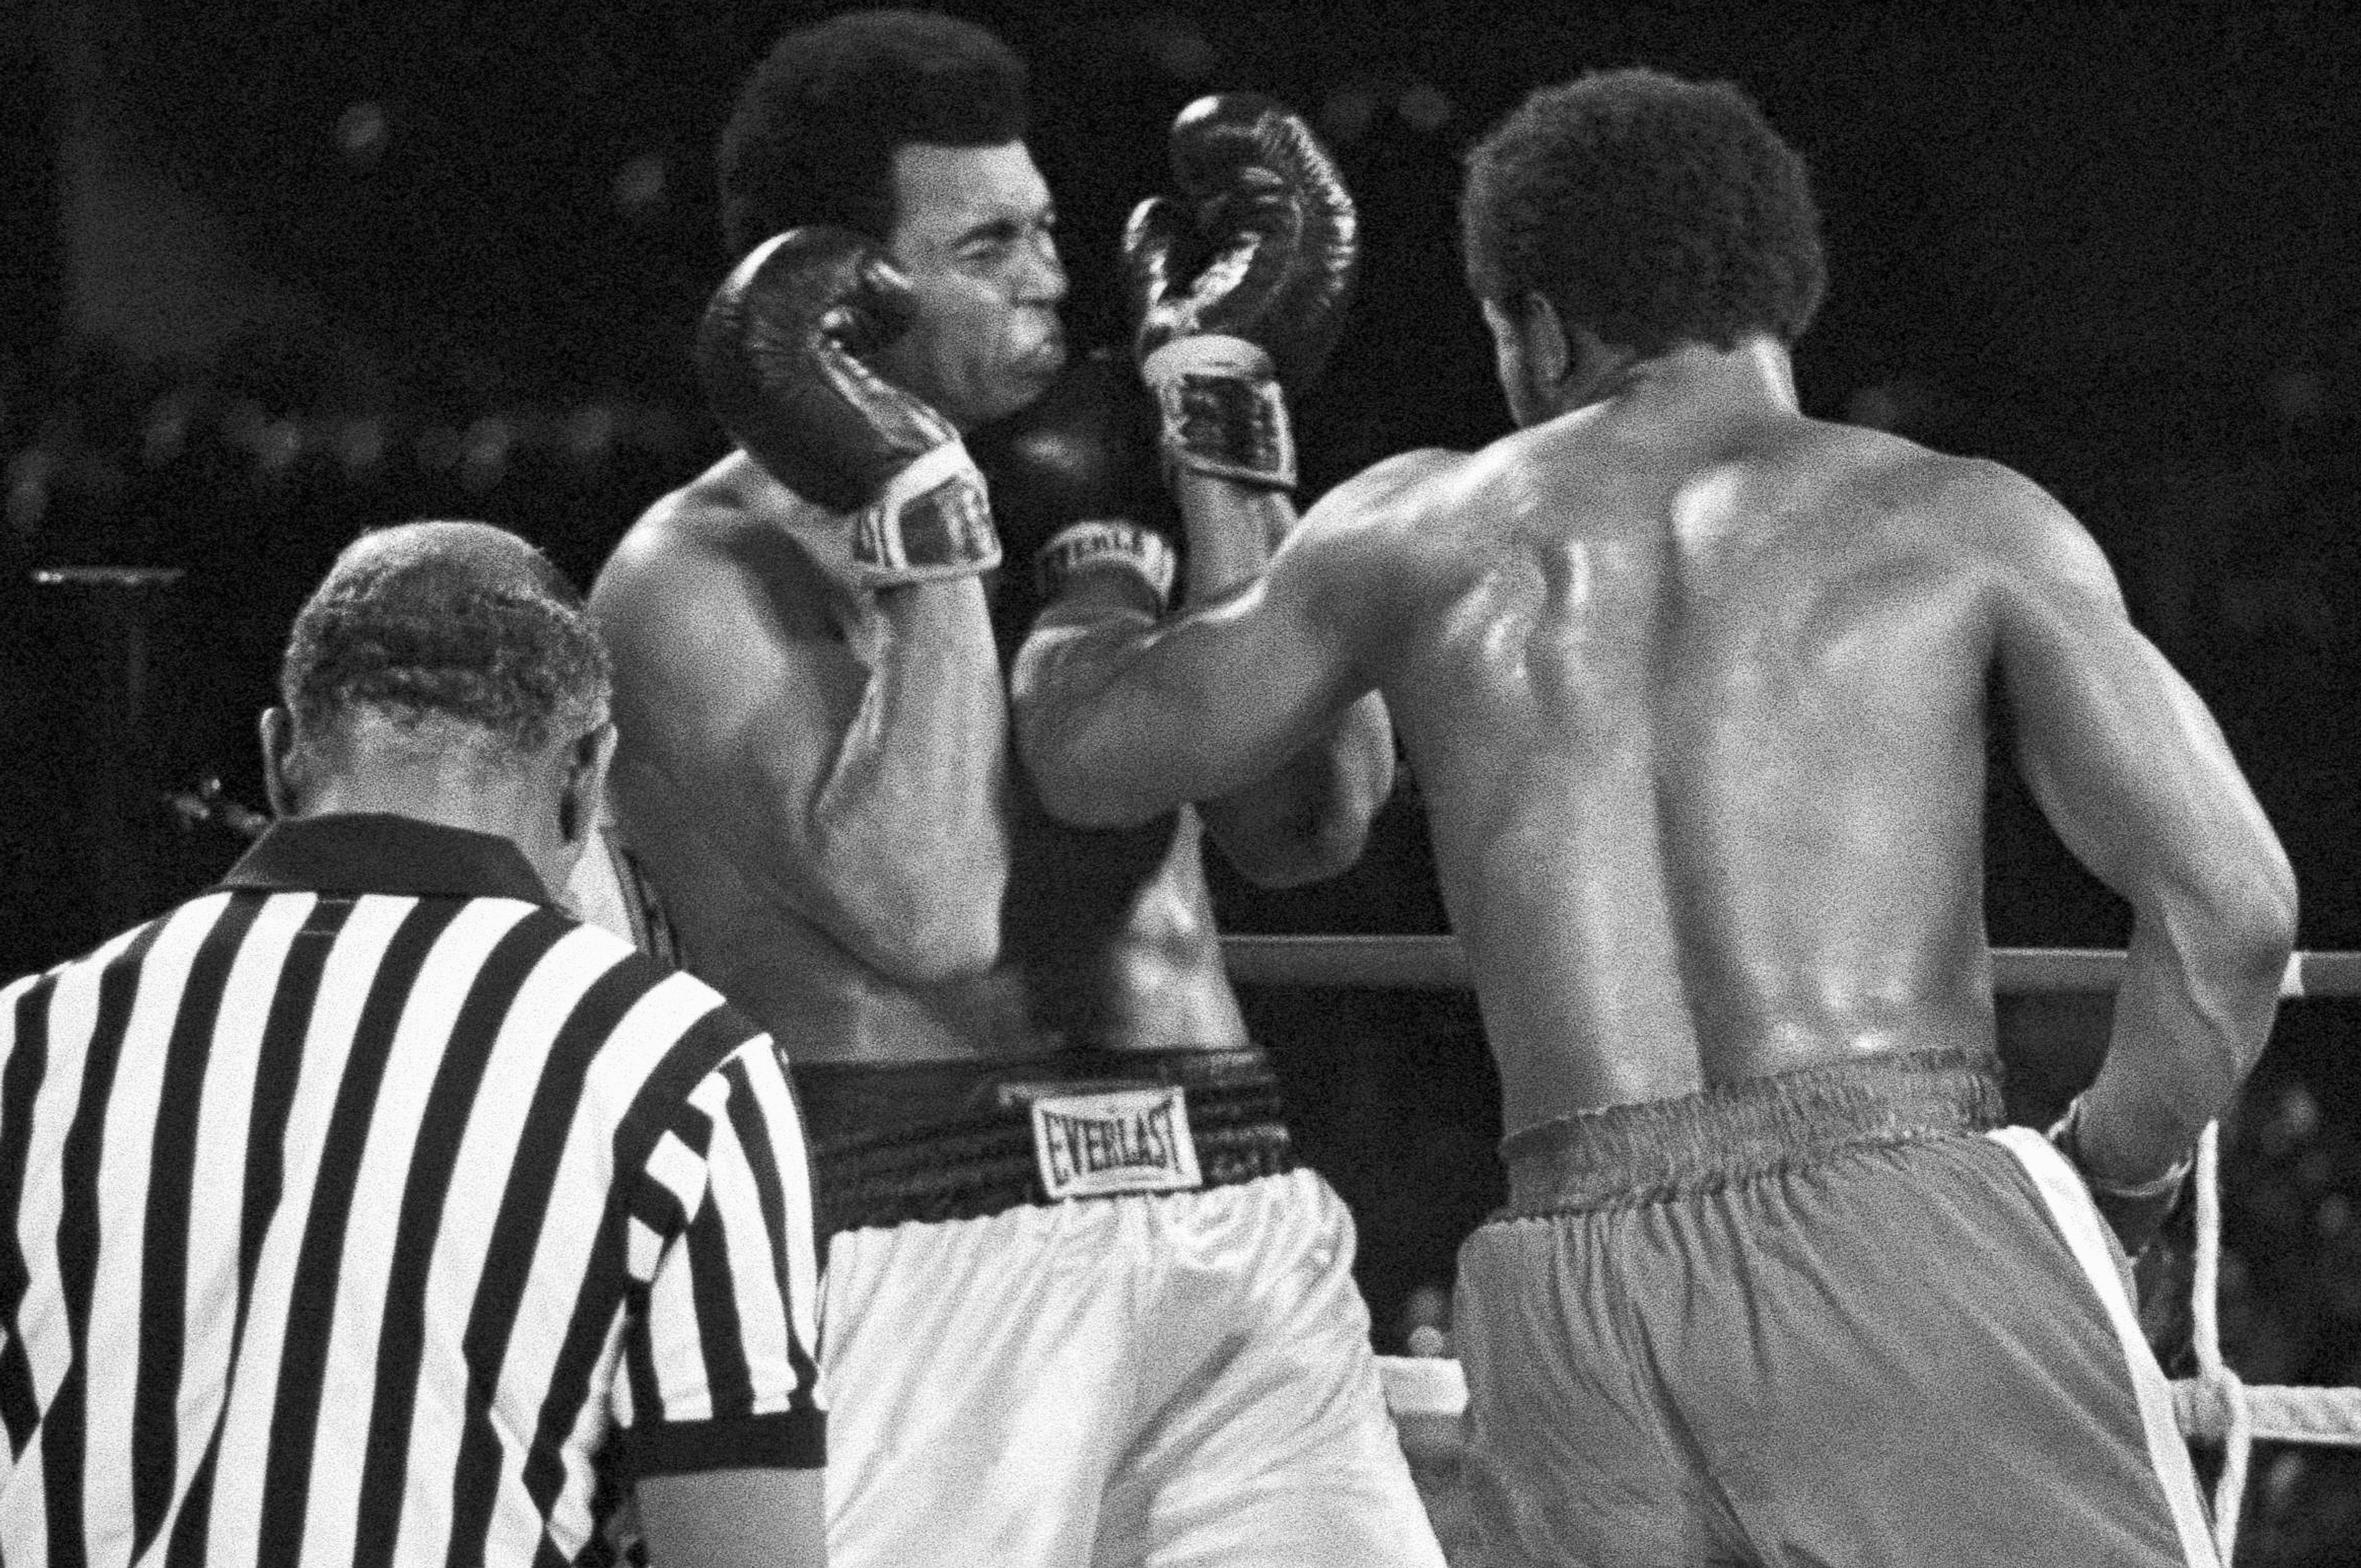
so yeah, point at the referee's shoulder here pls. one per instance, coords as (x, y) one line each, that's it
(132, 940)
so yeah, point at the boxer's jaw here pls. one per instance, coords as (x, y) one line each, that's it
(1530, 356)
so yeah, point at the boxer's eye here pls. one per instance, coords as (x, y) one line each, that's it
(989, 243)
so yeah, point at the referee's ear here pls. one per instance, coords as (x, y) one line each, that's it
(277, 733)
(585, 784)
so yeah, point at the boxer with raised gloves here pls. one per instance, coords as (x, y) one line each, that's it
(1775, 1281)
(1239, 281)
(979, 1001)
(1074, 481)
(778, 353)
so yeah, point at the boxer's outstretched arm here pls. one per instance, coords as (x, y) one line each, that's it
(870, 799)
(1310, 818)
(1120, 717)
(2134, 774)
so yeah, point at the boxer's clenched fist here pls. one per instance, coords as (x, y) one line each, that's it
(1260, 240)
(1239, 281)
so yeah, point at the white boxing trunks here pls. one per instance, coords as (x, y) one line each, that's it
(1176, 1375)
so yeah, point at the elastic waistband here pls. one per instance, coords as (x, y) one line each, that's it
(893, 1143)
(1623, 1156)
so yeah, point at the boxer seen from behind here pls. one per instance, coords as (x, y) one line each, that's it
(1696, 690)
(1083, 1305)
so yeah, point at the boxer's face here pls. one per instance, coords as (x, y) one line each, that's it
(974, 229)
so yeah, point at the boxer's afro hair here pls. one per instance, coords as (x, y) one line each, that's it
(1652, 210)
(813, 137)
(454, 632)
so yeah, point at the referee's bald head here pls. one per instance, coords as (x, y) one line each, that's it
(450, 633)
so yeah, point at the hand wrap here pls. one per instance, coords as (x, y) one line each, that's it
(932, 521)
(1221, 409)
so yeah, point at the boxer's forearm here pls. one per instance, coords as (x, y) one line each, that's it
(1233, 528)
(907, 832)
(2200, 990)
(1120, 717)
(1101, 751)
(1096, 756)
(1310, 818)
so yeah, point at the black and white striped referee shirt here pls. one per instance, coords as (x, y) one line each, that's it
(364, 1209)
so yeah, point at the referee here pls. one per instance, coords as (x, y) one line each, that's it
(367, 1210)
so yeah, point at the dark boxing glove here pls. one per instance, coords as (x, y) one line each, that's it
(2134, 1210)
(1074, 480)
(778, 353)
(1240, 282)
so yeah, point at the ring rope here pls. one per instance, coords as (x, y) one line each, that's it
(1439, 963)
(2216, 1406)
(2218, 1389)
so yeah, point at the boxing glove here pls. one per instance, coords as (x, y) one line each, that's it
(778, 355)
(1074, 482)
(2134, 1211)
(1240, 282)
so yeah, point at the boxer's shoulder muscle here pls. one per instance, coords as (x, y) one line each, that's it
(1387, 531)
(712, 552)
(723, 652)
(1997, 533)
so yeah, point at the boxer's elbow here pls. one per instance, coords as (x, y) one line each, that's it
(2245, 910)
(1332, 843)
(918, 910)
(2256, 920)
(1310, 820)
(1279, 839)
(1086, 761)
(1281, 860)
(1080, 797)
(921, 931)
(1078, 782)
(2267, 920)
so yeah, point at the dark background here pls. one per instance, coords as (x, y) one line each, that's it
(276, 270)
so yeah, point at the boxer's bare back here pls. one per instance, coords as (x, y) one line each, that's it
(1696, 690)
(1683, 695)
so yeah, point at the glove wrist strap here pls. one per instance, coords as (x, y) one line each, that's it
(1109, 542)
(932, 521)
(1223, 413)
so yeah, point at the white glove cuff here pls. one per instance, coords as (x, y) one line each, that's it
(1206, 354)
(932, 521)
(1223, 410)
(1111, 542)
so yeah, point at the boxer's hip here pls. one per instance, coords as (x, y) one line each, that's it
(1811, 1317)
(893, 1143)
